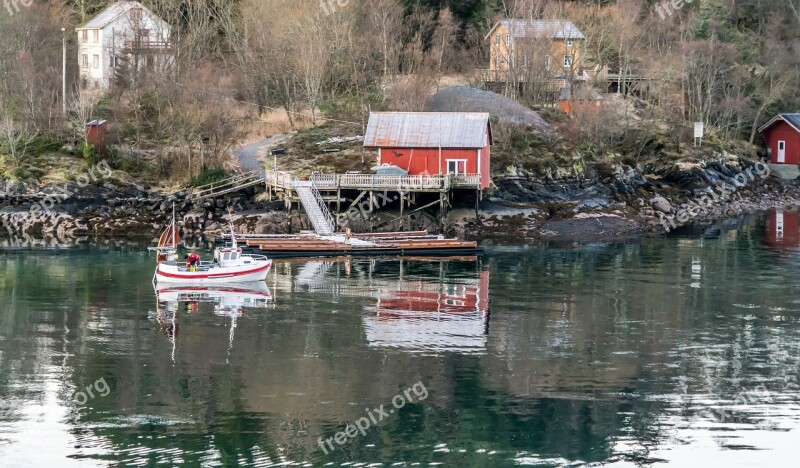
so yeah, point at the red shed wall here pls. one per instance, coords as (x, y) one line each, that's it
(780, 130)
(426, 160)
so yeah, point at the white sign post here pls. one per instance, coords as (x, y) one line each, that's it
(698, 133)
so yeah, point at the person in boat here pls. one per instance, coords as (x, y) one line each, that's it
(194, 261)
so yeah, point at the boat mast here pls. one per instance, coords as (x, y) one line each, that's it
(174, 229)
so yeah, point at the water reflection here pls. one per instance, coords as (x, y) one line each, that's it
(681, 350)
(782, 230)
(226, 301)
(425, 305)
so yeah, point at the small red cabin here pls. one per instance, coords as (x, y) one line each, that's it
(96, 132)
(782, 135)
(431, 143)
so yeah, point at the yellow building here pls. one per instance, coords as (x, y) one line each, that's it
(535, 45)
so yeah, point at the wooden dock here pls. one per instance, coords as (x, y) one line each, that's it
(375, 244)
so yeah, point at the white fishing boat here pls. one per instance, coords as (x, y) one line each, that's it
(229, 264)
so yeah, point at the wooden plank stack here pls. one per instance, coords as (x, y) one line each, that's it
(392, 243)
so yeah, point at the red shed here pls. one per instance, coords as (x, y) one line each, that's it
(96, 132)
(782, 135)
(433, 142)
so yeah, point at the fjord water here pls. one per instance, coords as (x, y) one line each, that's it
(681, 351)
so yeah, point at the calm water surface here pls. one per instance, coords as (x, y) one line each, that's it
(679, 351)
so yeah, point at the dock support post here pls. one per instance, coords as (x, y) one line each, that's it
(338, 201)
(402, 203)
(441, 210)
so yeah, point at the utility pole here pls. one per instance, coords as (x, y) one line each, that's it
(64, 71)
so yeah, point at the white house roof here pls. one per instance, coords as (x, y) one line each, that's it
(540, 29)
(427, 130)
(114, 11)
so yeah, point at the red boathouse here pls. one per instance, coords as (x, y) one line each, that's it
(432, 143)
(782, 135)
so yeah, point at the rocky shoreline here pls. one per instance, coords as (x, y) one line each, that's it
(606, 203)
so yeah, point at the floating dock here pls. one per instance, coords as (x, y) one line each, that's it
(376, 244)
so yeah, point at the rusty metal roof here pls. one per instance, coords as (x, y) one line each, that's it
(427, 130)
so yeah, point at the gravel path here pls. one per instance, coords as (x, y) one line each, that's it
(253, 156)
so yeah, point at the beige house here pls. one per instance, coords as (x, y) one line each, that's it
(123, 31)
(517, 44)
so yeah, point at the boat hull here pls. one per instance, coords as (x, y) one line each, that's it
(257, 271)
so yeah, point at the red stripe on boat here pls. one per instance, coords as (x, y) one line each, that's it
(226, 275)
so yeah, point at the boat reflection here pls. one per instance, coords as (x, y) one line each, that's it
(226, 300)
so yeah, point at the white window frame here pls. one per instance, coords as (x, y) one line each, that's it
(456, 161)
(84, 36)
(497, 40)
(508, 40)
(570, 43)
(569, 60)
(85, 62)
(95, 36)
(95, 61)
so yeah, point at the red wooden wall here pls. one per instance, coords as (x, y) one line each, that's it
(780, 130)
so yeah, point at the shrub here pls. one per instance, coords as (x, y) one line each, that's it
(209, 176)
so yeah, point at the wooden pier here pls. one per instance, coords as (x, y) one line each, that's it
(344, 192)
(375, 244)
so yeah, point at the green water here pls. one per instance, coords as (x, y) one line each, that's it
(681, 350)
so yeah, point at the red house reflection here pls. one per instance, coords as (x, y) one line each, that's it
(448, 298)
(783, 229)
(431, 317)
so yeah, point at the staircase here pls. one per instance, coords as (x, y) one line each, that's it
(315, 207)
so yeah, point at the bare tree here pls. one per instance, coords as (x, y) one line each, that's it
(313, 58)
(16, 138)
(386, 18)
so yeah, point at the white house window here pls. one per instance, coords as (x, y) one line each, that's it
(136, 14)
(457, 166)
(84, 36)
(85, 60)
(568, 61)
(508, 39)
(95, 36)
(95, 61)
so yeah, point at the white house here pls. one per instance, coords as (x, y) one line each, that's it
(124, 32)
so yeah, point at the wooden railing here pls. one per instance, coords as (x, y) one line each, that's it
(466, 180)
(231, 184)
(329, 182)
(279, 179)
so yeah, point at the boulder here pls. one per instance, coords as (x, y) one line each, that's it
(661, 204)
